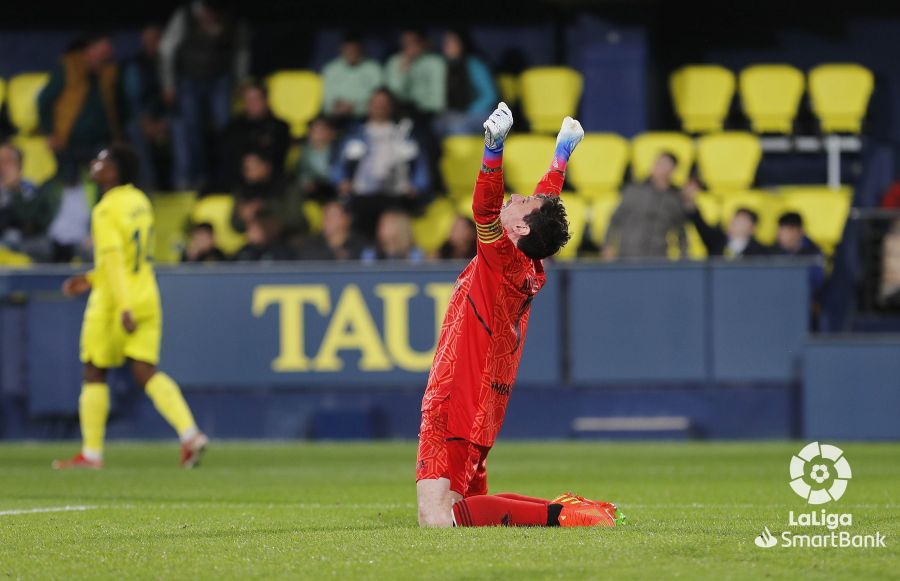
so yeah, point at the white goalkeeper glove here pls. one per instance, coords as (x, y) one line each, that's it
(570, 135)
(497, 127)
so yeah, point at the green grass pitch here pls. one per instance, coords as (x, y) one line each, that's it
(348, 511)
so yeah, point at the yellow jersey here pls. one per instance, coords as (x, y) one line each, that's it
(123, 277)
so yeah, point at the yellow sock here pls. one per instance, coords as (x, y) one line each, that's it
(93, 408)
(170, 403)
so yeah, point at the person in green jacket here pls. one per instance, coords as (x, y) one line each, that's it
(349, 80)
(416, 76)
(25, 209)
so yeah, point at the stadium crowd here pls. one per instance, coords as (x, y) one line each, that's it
(370, 159)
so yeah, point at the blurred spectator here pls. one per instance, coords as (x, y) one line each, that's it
(417, 77)
(740, 238)
(889, 293)
(394, 240)
(79, 107)
(256, 129)
(381, 165)
(146, 114)
(316, 158)
(202, 245)
(461, 243)
(337, 241)
(204, 50)
(259, 188)
(25, 210)
(349, 80)
(791, 240)
(647, 214)
(891, 197)
(264, 239)
(471, 94)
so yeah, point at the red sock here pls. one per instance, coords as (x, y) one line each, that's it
(523, 498)
(485, 511)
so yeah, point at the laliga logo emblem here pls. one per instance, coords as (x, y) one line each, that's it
(820, 473)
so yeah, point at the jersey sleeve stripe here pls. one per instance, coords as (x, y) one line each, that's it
(489, 233)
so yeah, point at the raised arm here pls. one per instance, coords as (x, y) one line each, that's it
(488, 197)
(570, 135)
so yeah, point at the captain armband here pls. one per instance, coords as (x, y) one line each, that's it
(489, 233)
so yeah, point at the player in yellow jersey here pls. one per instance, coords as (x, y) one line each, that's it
(123, 319)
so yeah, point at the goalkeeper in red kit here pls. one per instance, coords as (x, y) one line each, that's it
(480, 345)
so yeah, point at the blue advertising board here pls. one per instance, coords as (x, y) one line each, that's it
(346, 328)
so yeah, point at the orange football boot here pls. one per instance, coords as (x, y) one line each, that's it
(567, 499)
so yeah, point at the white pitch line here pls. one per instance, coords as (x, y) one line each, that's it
(77, 508)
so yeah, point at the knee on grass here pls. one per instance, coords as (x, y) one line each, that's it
(434, 518)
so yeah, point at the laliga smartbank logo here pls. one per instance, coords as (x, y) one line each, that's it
(819, 474)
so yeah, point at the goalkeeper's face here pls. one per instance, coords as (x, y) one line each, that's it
(514, 211)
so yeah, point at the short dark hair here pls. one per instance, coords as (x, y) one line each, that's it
(255, 85)
(791, 219)
(203, 227)
(352, 36)
(549, 229)
(754, 217)
(668, 154)
(126, 161)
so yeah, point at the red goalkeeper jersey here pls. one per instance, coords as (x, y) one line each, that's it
(483, 333)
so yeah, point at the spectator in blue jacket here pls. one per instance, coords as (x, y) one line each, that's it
(471, 94)
(791, 240)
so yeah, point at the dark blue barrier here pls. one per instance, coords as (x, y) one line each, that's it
(267, 353)
(851, 388)
(638, 323)
(336, 327)
(760, 316)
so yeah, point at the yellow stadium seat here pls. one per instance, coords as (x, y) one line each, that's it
(824, 212)
(216, 210)
(702, 96)
(432, 229)
(766, 205)
(510, 87)
(295, 97)
(577, 213)
(602, 209)
(460, 162)
(23, 90)
(548, 95)
(839, 94)
(464, 208)
(526, 159)
(12, 259)
(770, 96)
(727, 161)
(646, 147)
(38, 161)
(599, 163)
(312, 212)
(171, 210)
(710, 209)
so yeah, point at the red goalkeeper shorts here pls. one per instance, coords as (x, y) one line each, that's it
(443, 456)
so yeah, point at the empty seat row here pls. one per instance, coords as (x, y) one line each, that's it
(770, 96)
